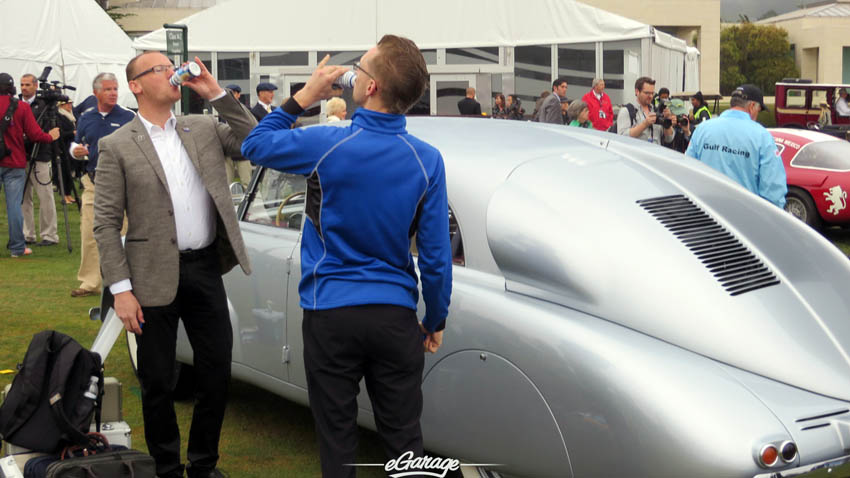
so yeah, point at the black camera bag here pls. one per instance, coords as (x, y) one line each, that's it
(46, 408)
(4, 124)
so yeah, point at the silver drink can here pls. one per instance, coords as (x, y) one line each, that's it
(186, 72)
(346, 80)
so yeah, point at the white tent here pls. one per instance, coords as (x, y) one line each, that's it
(353, 25)
(507, 43)
(76, 37)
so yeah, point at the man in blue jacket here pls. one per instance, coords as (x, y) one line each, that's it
(371, 187)
(739, 147)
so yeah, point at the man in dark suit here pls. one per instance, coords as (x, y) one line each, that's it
(468, 106)
(265, 96)
(168, 175)
(550, 109)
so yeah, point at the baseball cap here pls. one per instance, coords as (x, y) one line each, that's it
(265, 86)
(752, 93)
(6, 80)
(234, 87)
(677, 107)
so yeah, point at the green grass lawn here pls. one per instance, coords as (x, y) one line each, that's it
(264, 435)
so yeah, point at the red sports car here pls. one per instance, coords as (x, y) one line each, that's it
(818, 170)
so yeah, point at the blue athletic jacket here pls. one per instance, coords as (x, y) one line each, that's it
(370, 187)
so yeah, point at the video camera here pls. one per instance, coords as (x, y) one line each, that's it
(51, 91)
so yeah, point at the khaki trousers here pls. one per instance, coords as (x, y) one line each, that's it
(241, 169)
(89, 273)
(47, 208)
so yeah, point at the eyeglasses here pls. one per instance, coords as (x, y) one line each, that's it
(357, 66)
(154, 69)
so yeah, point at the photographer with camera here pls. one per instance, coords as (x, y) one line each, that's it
(39, 174)
(675, 113)
(639, 120)
(16, 120)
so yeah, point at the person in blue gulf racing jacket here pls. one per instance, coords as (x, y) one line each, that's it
(370, 187)
(739, 147)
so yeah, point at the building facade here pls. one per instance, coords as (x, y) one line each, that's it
(819, 40)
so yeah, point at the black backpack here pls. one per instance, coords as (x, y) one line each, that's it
(632, 117)
(4, 124)
(54, 395)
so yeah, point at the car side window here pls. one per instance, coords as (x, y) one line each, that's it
(278, 200)
(455, 239)
(795, 97)
(818, 98)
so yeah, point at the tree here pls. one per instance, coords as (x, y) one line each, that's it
(757, 54)
(113, 11)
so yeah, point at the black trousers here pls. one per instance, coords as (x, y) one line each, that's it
(381, 343)
(202, 306)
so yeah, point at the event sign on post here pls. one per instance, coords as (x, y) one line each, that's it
(177, 44)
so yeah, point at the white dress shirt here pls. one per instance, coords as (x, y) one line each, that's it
(194, 211)
(841, 107)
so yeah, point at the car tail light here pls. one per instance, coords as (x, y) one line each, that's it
(769, 455)
(788, 451)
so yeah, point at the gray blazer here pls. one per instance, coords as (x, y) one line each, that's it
(550, 110)
(130, 179)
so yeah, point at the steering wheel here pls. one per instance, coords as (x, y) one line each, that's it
(292, 197)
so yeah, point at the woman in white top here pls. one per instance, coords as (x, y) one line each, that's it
(337, 110)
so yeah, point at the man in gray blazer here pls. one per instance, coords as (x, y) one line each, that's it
(168, 175)
(550, 110)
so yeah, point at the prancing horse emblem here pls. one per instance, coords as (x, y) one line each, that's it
(838, 198)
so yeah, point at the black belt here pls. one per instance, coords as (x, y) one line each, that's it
(191, 255)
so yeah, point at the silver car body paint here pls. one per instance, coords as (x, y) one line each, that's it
(584, 337)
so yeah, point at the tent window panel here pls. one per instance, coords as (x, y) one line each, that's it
(341, 57)
(532, 72)
(423, 106)
(197, 105)
(234, 66)
(430, 56)
(472, 56)
(284, 58)
(612, 62)
(577, 64)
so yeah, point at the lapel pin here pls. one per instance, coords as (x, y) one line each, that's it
(140, 138)
(185, 129)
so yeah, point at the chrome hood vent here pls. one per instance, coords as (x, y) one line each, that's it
(733, 265)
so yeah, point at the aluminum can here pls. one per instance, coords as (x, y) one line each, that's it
(186, 72)
(346, 80)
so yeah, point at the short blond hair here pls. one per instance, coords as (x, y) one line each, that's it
(335, 106)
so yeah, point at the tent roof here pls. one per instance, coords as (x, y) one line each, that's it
(76, 37)
(352, 25)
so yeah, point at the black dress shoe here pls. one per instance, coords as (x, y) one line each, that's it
(45, 242)
(216, 473)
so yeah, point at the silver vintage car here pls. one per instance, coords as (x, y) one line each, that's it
(618, 310)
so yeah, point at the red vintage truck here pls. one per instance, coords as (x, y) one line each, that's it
(799, 104)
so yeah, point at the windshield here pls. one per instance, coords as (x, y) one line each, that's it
(831, 155)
